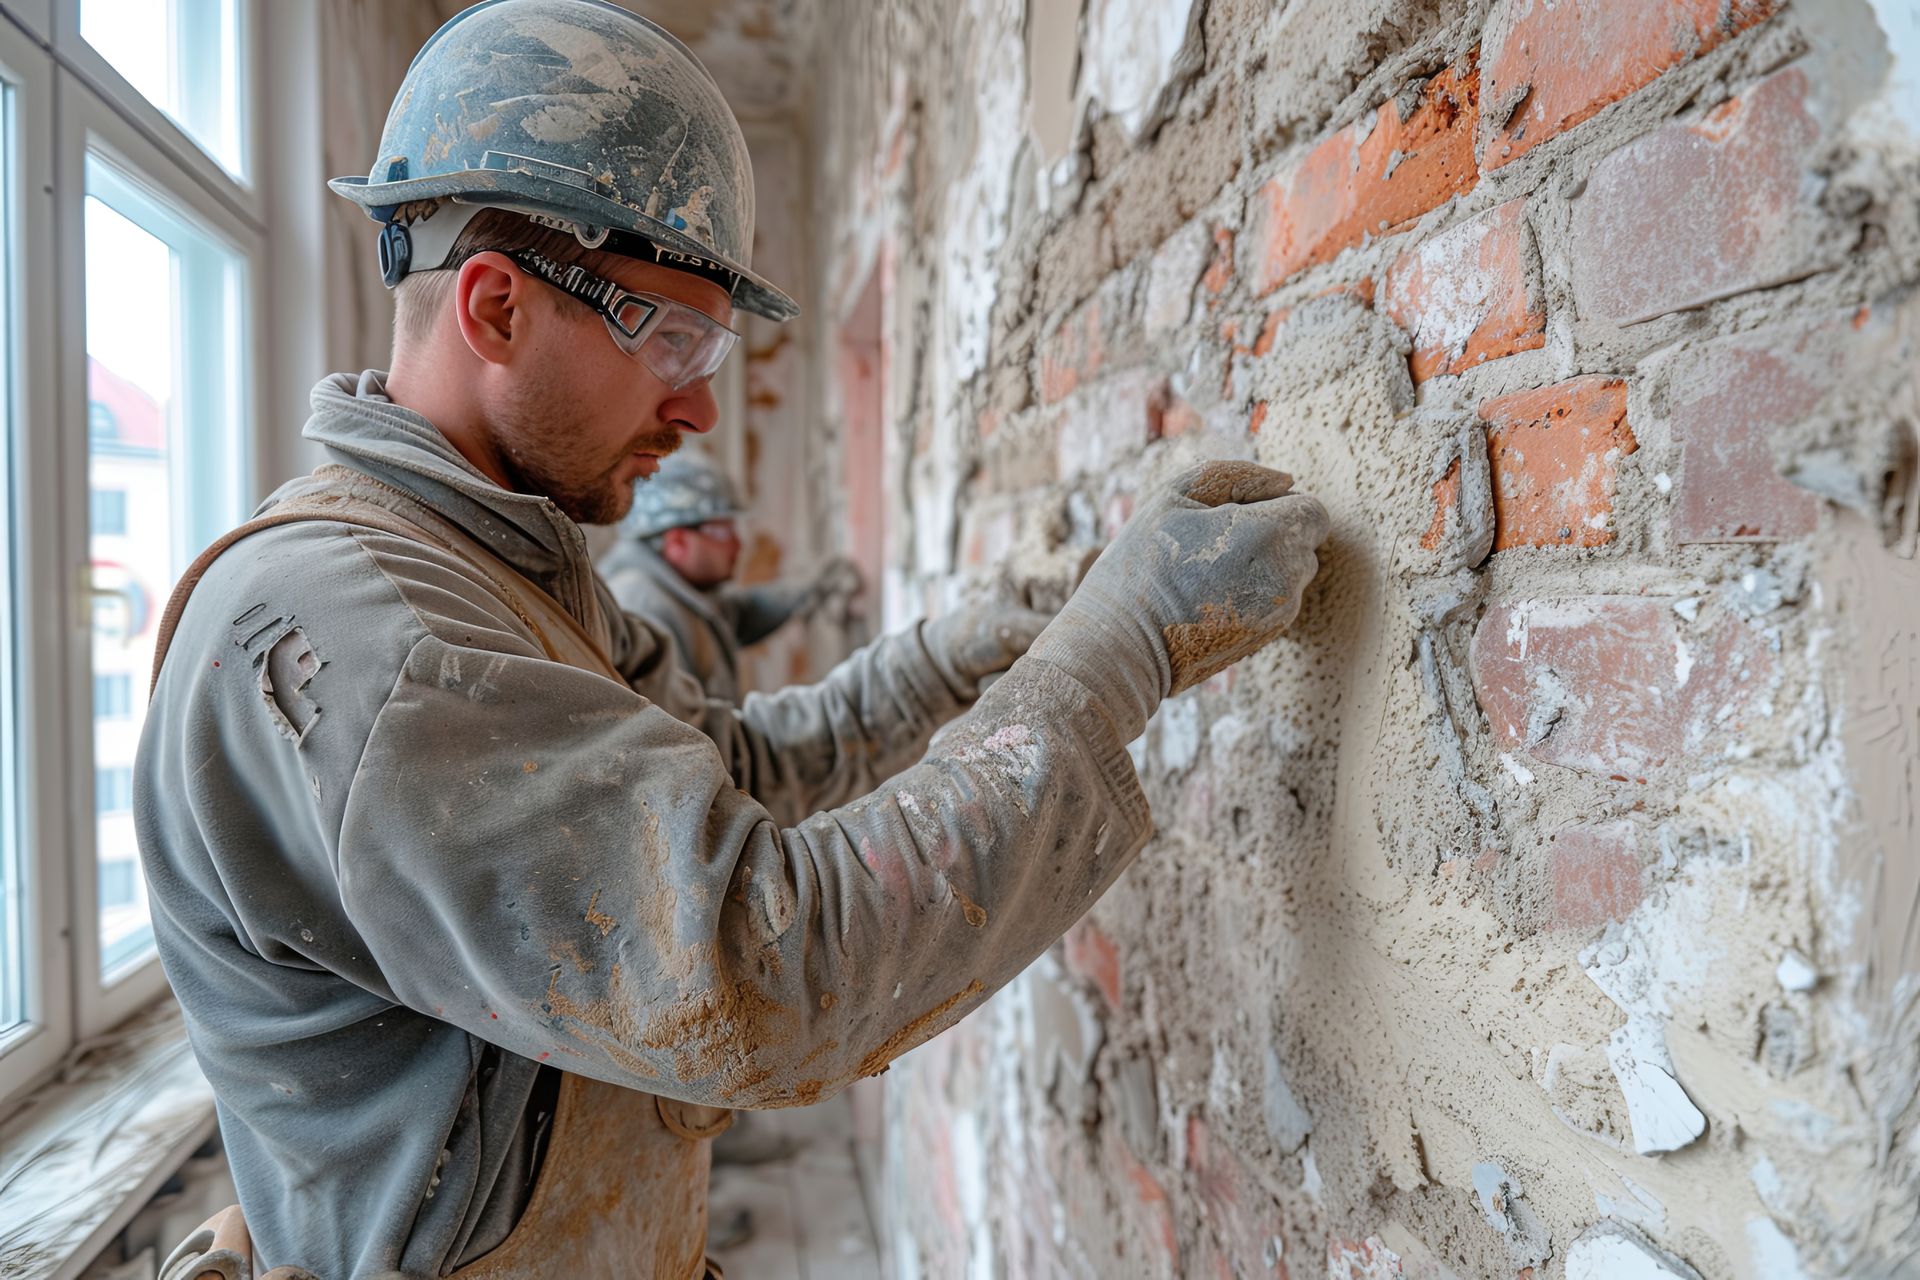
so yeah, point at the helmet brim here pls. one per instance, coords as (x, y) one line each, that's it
(531, 193)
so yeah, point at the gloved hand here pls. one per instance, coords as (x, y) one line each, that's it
(839, 576)
(1207, 572)
(977, 641)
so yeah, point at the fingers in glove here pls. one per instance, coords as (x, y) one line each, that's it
(1215, 484)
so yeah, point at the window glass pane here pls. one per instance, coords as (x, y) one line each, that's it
(13, 959)
(184, 57)
(165, 457)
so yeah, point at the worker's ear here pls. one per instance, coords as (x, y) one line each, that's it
(489, 300)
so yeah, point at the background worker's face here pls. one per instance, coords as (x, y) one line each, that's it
(574, 417)
(703, 554)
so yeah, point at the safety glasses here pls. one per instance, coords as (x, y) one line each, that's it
(682, 345)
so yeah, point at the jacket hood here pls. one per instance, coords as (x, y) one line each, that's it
(361, 428)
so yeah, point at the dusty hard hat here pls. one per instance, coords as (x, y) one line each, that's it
(585, 117)
(687, 490)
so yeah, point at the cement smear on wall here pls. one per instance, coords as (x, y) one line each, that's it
(1402, 989)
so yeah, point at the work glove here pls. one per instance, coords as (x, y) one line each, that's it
(839, 576)
(1207, 572)
(976, 642)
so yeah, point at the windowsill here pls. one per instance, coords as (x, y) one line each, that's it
(85, 1153)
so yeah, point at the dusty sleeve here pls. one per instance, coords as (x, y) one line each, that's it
(809, 747)
(557, 866)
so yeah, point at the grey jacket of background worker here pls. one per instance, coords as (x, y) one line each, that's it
(388, 895)
(710, 626)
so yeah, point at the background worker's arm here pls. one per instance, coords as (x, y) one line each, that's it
(760, 611)
(809, 747)
(584, 885)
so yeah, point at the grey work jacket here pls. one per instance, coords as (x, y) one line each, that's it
(401, 864)
(709, 627)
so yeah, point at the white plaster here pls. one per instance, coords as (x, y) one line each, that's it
(1521, 774)
(1639, 1206)
(1130, 50)
(1288, 1123)
(1794, 973)
(1179, 725)
(1664, 1118)
(1770, 1253)
(1609, 1251)
(1310, 1182)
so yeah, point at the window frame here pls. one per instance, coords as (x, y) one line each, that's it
(39, 817)
(92, 124)
(34, 16)
(242, 193)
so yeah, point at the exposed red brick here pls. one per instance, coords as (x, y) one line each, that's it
(1245, 1218)
(987, 534)
(1092, 955)
(1613, 685)
(1596, 875)
(1446, 496)
(1555, 458)
(1368, 1259)
(1257, 419)
(1728, 398)
(1168, 415)
(1073, 354)
(1152, 1212)
(1351, 187)
(1559, 63)
(1219, 272)
(1691, 213)
(1469, 295)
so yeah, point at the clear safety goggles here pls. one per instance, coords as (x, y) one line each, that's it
(682, 345)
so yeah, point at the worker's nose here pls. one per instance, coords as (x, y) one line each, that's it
(693, 408)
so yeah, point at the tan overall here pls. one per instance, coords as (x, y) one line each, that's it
(622, 1191)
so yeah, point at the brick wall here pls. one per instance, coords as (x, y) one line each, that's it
(1541, 904)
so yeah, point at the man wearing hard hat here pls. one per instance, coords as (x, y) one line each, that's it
(480, 915)
(674, 566)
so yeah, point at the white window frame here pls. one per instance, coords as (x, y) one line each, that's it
(241, 193)
(69, 103)
(39, 815)
(91, 124)
(34, 15)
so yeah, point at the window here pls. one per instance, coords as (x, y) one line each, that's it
(163, 315)
(13, 959)
(130, 265)
(112, 696)
(113, 791)
(183, 56)
(109, 506)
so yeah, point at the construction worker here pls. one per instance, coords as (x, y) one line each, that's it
(475, 937)
(674, 565)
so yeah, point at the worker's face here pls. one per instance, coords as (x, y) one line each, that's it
(704, 554)
(576, 418)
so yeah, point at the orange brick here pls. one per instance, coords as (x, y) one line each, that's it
(1469, 295)
(1073, 354)
(1220, 271)
(1348, 187)
(1559, 64)
(1446, 496)
(1555, 459)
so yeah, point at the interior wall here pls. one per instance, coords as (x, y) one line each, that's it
(1542, 904)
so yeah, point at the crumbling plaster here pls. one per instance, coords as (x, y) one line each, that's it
(1546, 906)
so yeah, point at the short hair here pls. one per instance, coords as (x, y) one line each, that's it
(419, 299)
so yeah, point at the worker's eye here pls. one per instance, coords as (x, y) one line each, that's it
(678, 336)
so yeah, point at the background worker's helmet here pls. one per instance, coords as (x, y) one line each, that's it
(581, 114)
(687, 490)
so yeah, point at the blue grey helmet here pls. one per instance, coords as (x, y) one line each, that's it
(688, 489)
(582, 115)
